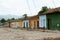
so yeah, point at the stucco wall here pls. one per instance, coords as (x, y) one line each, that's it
(42, 21)
(20, 24)
(26, 21)
(14, 24)
(54, 21)
(33, 22)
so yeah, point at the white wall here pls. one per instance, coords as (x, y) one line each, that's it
(14, 24)
(42, 21)
(26, 23)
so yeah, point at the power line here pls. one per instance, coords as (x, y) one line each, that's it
(53, 3)
(28, 5)
(34, 3)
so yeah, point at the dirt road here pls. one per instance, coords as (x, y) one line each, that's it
(18, 34)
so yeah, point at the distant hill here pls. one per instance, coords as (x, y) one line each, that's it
(9, 16)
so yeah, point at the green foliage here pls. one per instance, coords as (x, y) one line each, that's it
(2, 20)
(45, 8)
(13, 19)
(8, 20)
(25, 16)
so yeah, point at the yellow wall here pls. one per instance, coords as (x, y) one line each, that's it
(20, 24)
(33, 21)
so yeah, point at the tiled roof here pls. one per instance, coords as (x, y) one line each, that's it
(33, 16)
(52, 10)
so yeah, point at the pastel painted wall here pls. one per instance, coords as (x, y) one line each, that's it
(20, 23)
(42, 21)
(14, 24)
(33, 22)
(26, 23)
(53, 21)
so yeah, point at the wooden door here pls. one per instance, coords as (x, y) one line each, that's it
(24, 25)
(34, 24)
(49, 23)
(38, 24)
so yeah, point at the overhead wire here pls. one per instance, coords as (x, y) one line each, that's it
(34, 3)
(27, 2)
(53, 3)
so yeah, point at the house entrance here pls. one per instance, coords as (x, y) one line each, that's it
(49, 23)
(38, 24)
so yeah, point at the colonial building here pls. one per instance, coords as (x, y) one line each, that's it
(31, 22)
(26, 23)
(14, 24)
(34, 22)
(20, 23)
(50, 19)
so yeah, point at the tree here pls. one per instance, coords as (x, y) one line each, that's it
(2, 20)
(25, 16)
(45, 8)
(9, 21)
(13, 19)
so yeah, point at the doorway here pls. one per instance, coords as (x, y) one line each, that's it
(38, 24)
(34, 24)
(24, 25)
(49, 23)
(27, 25)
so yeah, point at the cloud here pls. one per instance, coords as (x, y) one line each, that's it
(20, 7)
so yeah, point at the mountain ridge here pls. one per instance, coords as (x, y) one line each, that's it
(9, 16)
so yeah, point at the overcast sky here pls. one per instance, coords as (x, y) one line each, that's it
(30, 7)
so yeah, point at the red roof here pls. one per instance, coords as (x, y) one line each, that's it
(52, 10)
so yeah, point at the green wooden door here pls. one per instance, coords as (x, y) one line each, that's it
(49, 23)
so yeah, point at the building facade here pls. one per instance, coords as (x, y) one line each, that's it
(50, 19)
(34, 22)
(14, 24)
(20, 23)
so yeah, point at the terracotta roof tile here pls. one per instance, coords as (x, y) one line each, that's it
(33, 16)
(52, 10)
